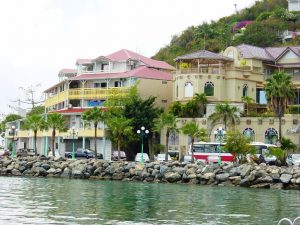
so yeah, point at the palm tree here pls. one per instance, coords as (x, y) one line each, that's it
(94, 115)
(247, 100)
(55, 121)
(226, 113)
(192, 129)
(201, 101)
(34, 122)
(167, 121)
(120, 127)
(279, 89)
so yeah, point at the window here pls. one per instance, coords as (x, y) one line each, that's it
(188, 90)
(271, 136)
(209, 88)
(177, 91)
(97, 85)
(249, 133)
(245, 90)
(117, 83)
(164, 82)
(104, 66)
(230, 54)
(103, 85)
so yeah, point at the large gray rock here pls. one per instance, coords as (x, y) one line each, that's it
(16, 172)
(51, 171)
(222, 177)
(235, 180)
(285, 178)
(208, 176)
(78, 171)
(40, 171)
(66, 173)
(245, 170)
(6, 162)
(164, 169)
(179, 170)
(172, 176)
(245, 182)
(46, 166)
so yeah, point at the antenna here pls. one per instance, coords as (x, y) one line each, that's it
(235, 6)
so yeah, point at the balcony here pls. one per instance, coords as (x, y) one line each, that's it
(86, 94)
(201, 70)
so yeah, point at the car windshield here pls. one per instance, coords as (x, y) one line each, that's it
(296, 156)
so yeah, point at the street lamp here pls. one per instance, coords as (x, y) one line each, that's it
(13, 131)
(220, 133)
(143, 132)
(73, 133)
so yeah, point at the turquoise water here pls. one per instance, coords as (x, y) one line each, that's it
(64, 201)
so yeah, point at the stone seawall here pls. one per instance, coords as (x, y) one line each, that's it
(246, 175)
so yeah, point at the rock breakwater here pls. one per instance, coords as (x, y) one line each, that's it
(245, 175)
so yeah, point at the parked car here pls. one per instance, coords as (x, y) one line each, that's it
(263, 153)
(115, 156)
(23, 152)
(83, 153)
(161, 157)
(293, 159)
(138, 157)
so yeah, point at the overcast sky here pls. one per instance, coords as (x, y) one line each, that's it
(40, 37)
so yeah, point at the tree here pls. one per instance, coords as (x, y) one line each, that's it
(192, 129)
(34, 122)
(287, 144)
(247, 100)
(36, 110)
(56, 122)
(176, 109)
(279, 90)
(238, 145)
(9, 118)
(120, 127)
(226, 113)
(94, 115)
(167, 121)
(201, 101)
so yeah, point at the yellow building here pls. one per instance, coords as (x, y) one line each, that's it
(228, 76)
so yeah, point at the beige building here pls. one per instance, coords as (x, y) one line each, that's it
(228, 76)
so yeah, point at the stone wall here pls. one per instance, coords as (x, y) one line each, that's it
(246, 175)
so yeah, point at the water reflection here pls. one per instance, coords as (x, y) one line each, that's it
(64, 201)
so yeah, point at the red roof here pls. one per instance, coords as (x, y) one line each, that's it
(125, 54)
(141, 72)
(71, 110)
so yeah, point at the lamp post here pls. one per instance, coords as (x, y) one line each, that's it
(220, 133)
(73, 132)
(13, 130)
(143, 132)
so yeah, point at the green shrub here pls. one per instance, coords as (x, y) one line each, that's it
(280, 155)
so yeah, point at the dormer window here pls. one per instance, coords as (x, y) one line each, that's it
(104, 67)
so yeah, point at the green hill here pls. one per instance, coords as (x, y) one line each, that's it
(266, 21)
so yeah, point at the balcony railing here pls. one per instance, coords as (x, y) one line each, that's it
(86, 93)
(203, 70)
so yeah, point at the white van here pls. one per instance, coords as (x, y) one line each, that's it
(264, 150)
(138, 157)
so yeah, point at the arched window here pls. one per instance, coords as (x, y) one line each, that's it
(209, 88)
(245, 90)
(230, 54)
(188, 90)
(271, 136)
(249, 133)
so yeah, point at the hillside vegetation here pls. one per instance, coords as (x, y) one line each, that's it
(267, 20)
